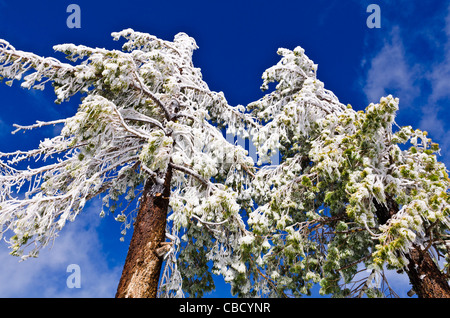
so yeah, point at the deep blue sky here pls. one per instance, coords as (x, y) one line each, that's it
(409, 56)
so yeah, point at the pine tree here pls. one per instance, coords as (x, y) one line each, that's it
(354, 193)
(147, 128)
(353, 196)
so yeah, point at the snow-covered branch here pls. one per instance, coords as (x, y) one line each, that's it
(38, 125)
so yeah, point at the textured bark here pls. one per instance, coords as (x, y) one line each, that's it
(426, 278)
(140, 275)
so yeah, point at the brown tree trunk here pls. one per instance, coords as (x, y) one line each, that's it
(426, 278)
(140, 275)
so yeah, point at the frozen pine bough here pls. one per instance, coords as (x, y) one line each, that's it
(352, 195)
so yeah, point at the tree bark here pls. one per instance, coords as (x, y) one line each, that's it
(427, 280)
(141, 272)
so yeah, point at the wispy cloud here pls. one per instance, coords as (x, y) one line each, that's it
(440, 73)
(46, 275)
(414, 65)
(390, 73)
(436, 110)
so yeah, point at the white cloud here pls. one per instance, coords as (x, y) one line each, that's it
(440, 73)
(436, 125)
(389, 73)
(435, 112)
(440, 79)
(431, 122)
(422, 86)
(46, 276)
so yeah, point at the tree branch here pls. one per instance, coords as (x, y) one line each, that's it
(194, 174)
(38, 125)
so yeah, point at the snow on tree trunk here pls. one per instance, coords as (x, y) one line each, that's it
(141, 272)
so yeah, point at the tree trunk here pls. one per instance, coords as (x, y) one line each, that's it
(140, 275)
(426, 278)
